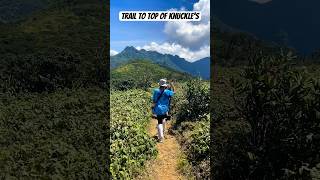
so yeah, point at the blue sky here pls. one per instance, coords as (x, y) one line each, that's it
(153, 35)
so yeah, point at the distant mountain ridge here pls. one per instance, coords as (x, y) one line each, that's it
(197, 68)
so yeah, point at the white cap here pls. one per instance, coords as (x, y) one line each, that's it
(163, 82)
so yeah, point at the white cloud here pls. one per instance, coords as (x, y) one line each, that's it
(192, 35)
(188, 40)
(113, 52)
(204, 7)
(176, 49)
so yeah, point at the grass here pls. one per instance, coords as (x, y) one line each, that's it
(185, 167)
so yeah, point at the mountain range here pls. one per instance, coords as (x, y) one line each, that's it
(291, 22)
(198, 68)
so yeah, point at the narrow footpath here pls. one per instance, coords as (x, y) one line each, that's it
(165, 166)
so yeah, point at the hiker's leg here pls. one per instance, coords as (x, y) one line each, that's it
(164, 125)
(160, 127)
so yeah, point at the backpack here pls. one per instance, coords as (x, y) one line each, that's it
(154, 104)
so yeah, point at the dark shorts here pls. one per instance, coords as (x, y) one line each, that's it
(160, 118)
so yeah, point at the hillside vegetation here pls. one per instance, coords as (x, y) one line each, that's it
(131, 146)
(197, 68)
(190, 109)
(192, 125)
(53, 79)
(57, 135)
(142, 74)
(72, 32)
(266, 120)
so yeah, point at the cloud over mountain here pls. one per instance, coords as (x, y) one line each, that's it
(192, 35)
(189, 40)
(177, 49)
(113, 52)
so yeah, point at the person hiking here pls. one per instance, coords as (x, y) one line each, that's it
(160, 108)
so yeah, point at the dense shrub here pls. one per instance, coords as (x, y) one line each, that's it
(40, 72)
(131, 146)
(62, 135)
(123, 85)
(48, 129)
(191, 109)
(197, 148)
(281, 106)
(193, 103)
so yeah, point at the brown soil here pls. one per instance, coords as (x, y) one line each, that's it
(164, 167)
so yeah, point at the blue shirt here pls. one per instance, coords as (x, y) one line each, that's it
(162, 106)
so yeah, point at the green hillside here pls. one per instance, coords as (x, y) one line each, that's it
(197, 68)
(141, 74)
(78, 27)
(53, 78)
(73, 31)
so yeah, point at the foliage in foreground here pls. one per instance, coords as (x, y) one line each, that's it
(278, 108)
(193, 102)
(191, 108)
(131, 146)
(62, 135)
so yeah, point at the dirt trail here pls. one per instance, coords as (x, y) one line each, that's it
(164, 167)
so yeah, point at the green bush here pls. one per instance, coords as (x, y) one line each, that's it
(191, 109)
(198, 144)
(131, 146)
(46, 71)
(193, 103)
(62, 135)
(281, 106)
